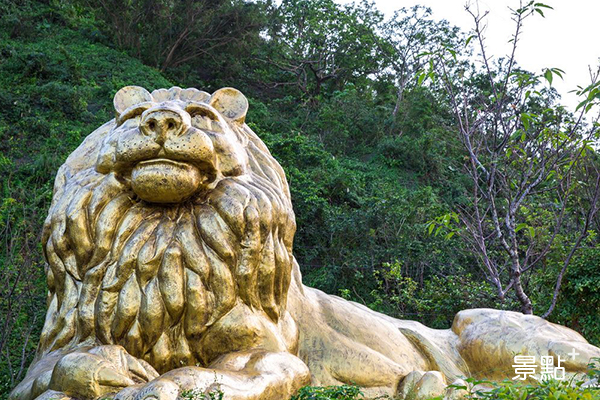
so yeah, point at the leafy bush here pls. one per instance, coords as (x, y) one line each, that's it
(213, 394)
(344, 392)
(579, 303)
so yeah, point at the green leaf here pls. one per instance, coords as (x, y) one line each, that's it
(548, 76)
(558, 71)
(520, 226)
(431, 75)
(469, 40)
(588, 107)
(583, 103)
(453, 53)
(525, 120)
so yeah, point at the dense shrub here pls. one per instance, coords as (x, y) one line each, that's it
(580, 299)
(57, 87)
(344, 392)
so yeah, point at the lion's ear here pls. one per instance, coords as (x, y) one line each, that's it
(130, 96)
(231, 103)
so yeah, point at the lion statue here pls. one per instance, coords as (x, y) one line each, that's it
(170, 268)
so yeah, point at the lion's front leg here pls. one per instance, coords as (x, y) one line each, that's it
(90, 373)
(249, 375)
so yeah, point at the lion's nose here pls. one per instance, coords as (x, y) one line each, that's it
(161, 124)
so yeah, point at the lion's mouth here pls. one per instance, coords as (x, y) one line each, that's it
(163, 180)
(163, 161)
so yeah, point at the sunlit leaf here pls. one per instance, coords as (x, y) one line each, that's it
(520, 226)
(525, 120)
(583, 103)
(431, 227)
(548, 76)
(558, 71)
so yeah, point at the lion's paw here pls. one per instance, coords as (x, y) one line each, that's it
(53, 395)
(98, 371)
(419, 385)
(158, 389)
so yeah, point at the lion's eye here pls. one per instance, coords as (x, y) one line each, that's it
(206, 124)
(132, 113)
(205, 119)
(197, 109)
(130, 122)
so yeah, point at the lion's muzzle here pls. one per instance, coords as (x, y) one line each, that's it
(169, 160)
(165, 181)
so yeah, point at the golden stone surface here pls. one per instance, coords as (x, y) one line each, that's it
(170, 268)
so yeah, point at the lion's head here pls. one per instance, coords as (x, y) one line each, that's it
(163, 221)
(171, 145)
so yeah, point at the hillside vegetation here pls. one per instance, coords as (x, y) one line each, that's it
(338, 93)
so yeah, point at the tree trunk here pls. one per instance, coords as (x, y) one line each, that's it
(526, 306)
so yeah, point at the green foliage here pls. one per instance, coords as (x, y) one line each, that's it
(552, 390)
(320, 42)
(193, 37)
(523, 152)
(346, 172)
(580, 299)
(434, 299)
(195, 394)
(344, 392)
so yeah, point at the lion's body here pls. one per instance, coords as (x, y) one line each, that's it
(169, 248)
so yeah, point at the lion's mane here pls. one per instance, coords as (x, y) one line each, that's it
(155, 278)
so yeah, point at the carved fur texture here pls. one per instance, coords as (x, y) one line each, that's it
(155, 278)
